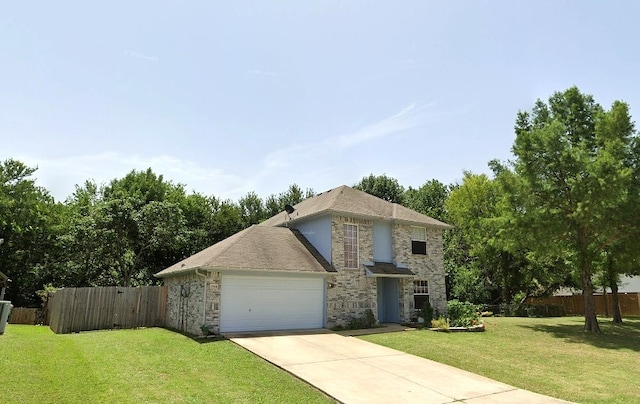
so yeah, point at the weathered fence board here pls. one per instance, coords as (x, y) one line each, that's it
(574, 305)
(85, 309)
(22, 315)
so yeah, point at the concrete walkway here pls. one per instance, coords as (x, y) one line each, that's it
(355, 371)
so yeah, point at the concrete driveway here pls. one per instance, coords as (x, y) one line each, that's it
(355, 371)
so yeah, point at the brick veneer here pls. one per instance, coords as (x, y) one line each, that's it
(351, 292)
(185, 302)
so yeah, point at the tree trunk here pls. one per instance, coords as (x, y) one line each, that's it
(590, 320)
(585, 261)
(617, 314)
(504, 272)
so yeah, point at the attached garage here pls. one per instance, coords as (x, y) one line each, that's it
(260, 279)
(271, 302)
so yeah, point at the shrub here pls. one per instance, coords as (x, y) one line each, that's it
(441, 323)
(426, 312)
(206, 330)
(462, 314)
(367, 320)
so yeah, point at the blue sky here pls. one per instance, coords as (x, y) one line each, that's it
(230, 97)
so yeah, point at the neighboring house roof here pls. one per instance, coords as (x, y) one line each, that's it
(257, 248)
(387, 269)
(353, 202)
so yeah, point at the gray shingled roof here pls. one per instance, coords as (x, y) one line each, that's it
(257, 248)
(353, 202)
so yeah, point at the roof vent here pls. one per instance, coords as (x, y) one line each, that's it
(289, 210)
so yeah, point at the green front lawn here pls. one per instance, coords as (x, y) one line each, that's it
(134, 366)
(551, 356)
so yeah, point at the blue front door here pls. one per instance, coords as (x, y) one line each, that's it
(388, 300)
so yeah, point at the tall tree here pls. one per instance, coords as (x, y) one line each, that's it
(618, 259)
(252, 208)
(144, 225)
(474, 208)
(574, 158)
(86, 255)
(28, 217)
(274, 204)
(429, 199)
(383, 187)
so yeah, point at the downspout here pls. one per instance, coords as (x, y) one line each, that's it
(204, 299)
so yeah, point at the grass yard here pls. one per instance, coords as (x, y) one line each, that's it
(137, 366)
(552, 356)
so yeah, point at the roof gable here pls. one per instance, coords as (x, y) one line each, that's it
(256, 248)
(353, 202)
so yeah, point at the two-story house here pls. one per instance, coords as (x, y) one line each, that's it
(324, 261)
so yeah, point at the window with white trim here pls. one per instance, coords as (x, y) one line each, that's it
(419, 240)
(350, 245)
(420, 293)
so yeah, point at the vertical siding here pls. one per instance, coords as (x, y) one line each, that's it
(86, 309)
(382, 249)
(318, 232)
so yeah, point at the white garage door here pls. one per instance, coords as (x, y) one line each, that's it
(256, 303)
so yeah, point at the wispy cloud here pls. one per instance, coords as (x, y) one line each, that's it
(262, 73)
(60, 175)
(409, 117)
(142, 56)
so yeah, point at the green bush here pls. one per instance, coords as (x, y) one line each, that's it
(426, 312)
(462, 314)
(441, 323)
(367, 320)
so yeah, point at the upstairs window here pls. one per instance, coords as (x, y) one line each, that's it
(350, 246)
(419, 240)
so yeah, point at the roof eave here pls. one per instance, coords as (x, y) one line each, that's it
(183, 271)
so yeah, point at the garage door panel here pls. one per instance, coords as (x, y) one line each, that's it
(254, 303)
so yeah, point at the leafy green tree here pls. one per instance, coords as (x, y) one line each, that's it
(383, 187)
(274, 204)
(28, 220)
(227, 219)
(144, 225)
(86, 257)
(252, 209)
(575, 158)
(617, 259)
(429, 199)
(473, 208)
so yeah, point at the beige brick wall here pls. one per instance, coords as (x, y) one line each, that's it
(186, 302)
(428, 267)
(352, 292)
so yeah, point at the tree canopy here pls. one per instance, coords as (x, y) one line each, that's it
(564, 212)
(576, 164)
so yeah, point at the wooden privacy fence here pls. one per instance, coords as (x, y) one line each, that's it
(22, 315)
(574, 305)
(101, 308)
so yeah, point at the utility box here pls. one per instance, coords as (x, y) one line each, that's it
(5, 309)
